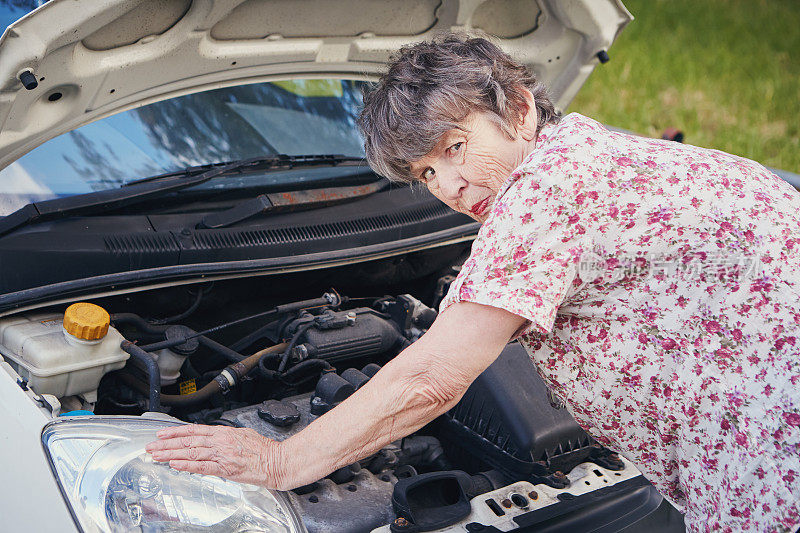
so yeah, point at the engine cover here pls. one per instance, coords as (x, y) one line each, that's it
(505, 421)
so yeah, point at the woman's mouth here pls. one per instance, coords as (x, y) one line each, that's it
(480, 207)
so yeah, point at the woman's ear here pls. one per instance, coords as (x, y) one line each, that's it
(528, 121)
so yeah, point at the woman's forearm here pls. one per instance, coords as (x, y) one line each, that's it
(424, 381)
(408, 392)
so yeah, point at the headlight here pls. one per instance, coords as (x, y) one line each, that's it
(113, 485)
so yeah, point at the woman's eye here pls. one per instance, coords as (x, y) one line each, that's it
(428, 174)
(455, 148)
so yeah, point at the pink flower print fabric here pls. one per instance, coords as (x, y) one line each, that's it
(660, 286)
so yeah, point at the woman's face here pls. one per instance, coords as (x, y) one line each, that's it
(467, 167)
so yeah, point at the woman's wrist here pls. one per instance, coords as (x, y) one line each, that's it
(275, 469)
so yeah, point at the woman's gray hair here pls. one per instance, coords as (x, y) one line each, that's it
(431, 87)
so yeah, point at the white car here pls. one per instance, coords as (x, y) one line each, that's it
(189, 233)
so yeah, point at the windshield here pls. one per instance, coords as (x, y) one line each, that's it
(295, 117)
(11, 10)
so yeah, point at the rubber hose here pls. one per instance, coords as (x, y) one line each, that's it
(224, 351)
(262, 365)
(188, 312)
(304, 365)
(238, 370)
(153, 373)
(139, 322)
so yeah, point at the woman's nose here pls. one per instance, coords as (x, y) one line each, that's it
(451, 183)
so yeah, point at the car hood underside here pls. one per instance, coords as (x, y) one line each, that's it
(62, 66)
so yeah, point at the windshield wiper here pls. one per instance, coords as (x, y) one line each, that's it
(278, 161)
(148, 188)
(269, 202)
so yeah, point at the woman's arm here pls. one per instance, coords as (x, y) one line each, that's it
(422, 382)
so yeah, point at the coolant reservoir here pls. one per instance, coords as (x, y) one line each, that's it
(63, 355)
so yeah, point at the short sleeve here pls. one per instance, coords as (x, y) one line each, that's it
(525, 257)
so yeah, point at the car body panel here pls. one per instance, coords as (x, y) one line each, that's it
(28, 485)
(112, 55)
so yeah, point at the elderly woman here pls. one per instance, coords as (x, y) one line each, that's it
(654, 285)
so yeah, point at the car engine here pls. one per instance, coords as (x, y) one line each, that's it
(280, 367)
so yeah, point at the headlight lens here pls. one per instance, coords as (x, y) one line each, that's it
(113, 485)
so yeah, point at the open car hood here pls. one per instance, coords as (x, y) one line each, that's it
(93, 59)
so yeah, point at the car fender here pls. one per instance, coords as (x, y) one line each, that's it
(29, 492)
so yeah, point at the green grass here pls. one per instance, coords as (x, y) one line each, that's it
(725, 72)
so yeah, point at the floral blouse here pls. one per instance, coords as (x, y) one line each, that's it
(661, 286)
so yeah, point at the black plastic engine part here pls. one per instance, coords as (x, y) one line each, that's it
(189, 346)
(505, 421)
(424, 451)
(438, 499)
(383, 460)
(355, 377)
(331, 390)
(371, 369)
(278, 413)
(344, 474)
(431, 501)
(338, 335)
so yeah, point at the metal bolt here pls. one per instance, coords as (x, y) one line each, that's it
(300, 352)
(351, 318)
(533, 495)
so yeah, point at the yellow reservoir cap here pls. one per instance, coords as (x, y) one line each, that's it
(86, 321)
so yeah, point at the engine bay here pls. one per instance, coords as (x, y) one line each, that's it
(505, 456)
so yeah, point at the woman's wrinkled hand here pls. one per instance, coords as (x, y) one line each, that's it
(237, 454)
